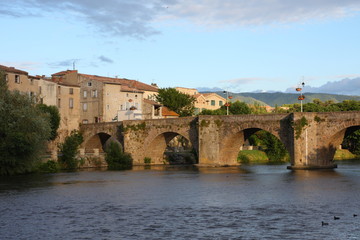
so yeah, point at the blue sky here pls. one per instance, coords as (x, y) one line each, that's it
(236, 45)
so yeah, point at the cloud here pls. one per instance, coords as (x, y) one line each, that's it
(345, 86)
(26, 66)
(207, 89)
(135, 18)
(119, 17)
(244, 80)
(69, 64)
(260, 12)
(105, 59)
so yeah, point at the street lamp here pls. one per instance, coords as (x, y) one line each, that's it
(301, 97)
(227, 104)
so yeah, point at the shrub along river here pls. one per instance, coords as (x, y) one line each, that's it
(246, 202)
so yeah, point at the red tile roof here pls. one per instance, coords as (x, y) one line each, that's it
(151, 102)
(168, 112)
(12, 70)
(132, 84)
(62, 73)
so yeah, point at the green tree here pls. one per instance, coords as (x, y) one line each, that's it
(24, 131)
(116, 159)
(181, 103)
(69, 149)
(352, 142)
(274, 148)
(219, 111)
(54, 114)
(237, 108)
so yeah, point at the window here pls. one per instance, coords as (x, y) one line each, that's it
(59, 102)
(31, 81)
(212, 102)
(221, 103)
(71, 103)
(85, 94)
(89, 84)
(40, 90)
(94, 93)
(59, 89)
(84, 107)
(107, 106)
(71, 91)
(17, 79)
(136, 96)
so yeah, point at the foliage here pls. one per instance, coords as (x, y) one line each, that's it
(352, 142)
(256, 108)
(147, 160)
(116, 159)
(23, 131)
(54, 114)
(274, 148)
(181, 103)
(69, 149)
(237, 108)
(50, 166)
(220, 111)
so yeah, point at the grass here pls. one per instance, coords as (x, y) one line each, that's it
(252, 156)
(344, 154)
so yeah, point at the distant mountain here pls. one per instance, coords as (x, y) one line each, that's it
(280, 98)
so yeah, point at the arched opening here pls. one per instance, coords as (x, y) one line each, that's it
(254, 145)
(346, 144)
(97, 143)
(170, 148)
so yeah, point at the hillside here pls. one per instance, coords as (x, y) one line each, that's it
(279, 98)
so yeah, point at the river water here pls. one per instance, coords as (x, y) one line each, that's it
(247, 202)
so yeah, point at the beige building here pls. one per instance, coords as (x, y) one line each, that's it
(20, 81)
(104, 99)
(210, 101)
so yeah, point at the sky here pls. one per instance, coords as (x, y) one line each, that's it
(234, 45)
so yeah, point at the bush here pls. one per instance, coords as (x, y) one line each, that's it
(147, 160)
(116, 159)
(50, 166)
(69, 150)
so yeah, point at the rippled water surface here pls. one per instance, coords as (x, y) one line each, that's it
(248, 202)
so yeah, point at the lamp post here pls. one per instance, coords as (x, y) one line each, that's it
(227, 104)
(301, 97)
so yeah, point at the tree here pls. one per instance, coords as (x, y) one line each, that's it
(181, 103)
(352, 142)
(69, 149)
(116, 159)
(237, 108)
(24, 130)
(54, 115)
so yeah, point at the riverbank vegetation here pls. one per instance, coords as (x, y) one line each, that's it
(116, 158)
(24, 131)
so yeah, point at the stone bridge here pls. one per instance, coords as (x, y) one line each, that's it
(310, 138)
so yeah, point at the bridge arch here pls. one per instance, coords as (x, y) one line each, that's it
(337, 139)
(157, 146)
(97, 141)
(232, 143)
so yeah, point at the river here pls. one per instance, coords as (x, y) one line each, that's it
(247, 202)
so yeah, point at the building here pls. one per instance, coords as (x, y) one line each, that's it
(210, 101)
(104, 99)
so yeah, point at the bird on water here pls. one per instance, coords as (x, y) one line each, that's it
(324, 223)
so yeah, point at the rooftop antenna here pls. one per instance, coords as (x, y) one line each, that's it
(73, 65)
